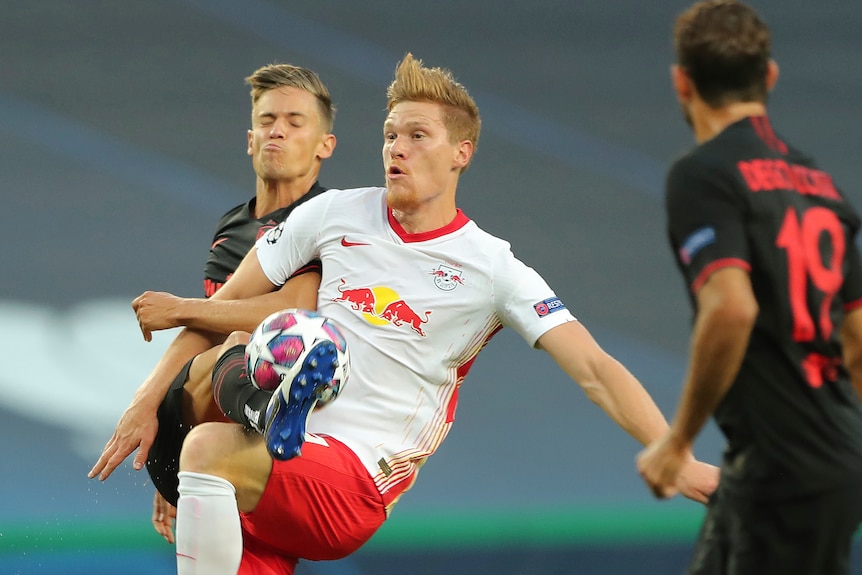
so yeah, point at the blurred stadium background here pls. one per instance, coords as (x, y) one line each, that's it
(122, 126)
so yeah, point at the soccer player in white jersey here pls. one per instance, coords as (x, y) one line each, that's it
(418, 289)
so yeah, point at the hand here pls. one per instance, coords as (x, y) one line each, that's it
(156, 311)
(136, 430)
(697, 480)
(164, 515)
(661, 464)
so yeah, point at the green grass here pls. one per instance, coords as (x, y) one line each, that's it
(427, 530)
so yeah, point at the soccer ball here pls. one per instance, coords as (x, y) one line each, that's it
(279, 345)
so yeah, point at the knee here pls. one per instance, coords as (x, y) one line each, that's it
(204, 448)
(234, 339)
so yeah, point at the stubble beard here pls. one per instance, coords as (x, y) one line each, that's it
(400, 199)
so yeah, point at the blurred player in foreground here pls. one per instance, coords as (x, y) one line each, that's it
(767, 245)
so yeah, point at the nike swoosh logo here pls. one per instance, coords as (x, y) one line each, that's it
(348, 244)
(218, 241)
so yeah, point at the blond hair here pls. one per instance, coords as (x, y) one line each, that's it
(415, 83)
(274, 76)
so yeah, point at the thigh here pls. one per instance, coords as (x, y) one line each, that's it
(163, 460)
(232, 452)
(199, 405)
(322, 505)
(808, 535)
(711, 551)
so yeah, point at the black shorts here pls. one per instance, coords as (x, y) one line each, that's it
(806, 535)
(163, 463)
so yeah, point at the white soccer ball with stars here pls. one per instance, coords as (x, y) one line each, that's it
(280, 344)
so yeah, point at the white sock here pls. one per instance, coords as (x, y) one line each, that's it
(209, 537)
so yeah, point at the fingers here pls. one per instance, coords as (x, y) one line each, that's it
(103, 460)
(163, 517)
(664, 491)
(137, 305)
(141, 456)
(112, 456)
(111, 462)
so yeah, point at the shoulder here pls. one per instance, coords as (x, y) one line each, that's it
(241, 211)
(708, 168)
(349, 194)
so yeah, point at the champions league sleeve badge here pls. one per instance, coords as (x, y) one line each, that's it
(275, 234)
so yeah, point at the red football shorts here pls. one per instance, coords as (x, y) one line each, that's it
(320, 505)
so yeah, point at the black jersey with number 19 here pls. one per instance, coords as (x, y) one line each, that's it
(746, 198)
(235, 235)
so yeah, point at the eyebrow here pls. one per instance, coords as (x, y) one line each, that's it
(411, 124)
(274, 114)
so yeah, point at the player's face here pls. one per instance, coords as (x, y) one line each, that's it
(287, 136)
(420, 162)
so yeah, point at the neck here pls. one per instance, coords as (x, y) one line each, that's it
(424, 218)
(271, 195)
(709, 122)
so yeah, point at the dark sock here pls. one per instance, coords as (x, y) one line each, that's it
(234, 392)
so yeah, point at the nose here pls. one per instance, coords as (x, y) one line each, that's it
(277, 129)
(396, 149)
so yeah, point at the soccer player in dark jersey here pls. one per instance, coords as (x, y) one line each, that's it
(291, 135)
(766, 242)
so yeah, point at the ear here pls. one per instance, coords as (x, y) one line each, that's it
(250, 151)
(463, 154)
(681, 83)
(771, 74)
(326, 147)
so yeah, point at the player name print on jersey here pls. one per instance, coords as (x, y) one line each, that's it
(770, 175)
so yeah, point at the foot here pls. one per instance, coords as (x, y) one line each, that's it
(293, 401)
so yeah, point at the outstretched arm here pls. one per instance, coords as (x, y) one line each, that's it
(727, 310)
(613, 388)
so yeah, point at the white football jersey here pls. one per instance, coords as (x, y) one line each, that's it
(415, 309)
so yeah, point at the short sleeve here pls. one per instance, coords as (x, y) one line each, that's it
(706, 221)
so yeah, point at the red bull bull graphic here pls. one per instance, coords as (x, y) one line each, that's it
(360, 299)
(381, 305)
(398, 312)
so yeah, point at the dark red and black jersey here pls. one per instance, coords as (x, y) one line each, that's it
(237, 232)
(748, 199)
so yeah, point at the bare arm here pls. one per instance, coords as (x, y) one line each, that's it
(161, 310)
(138, 425)
(605, 381)
(727, 310)
(613, 388)
(851, 341)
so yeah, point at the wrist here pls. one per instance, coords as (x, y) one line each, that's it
(188, 310)
(680, 442)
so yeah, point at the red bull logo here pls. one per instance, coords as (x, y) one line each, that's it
(360, 299)
(447, 278)
(382, 305)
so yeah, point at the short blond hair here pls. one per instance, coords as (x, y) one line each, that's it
(415, 83)
(274, 76)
